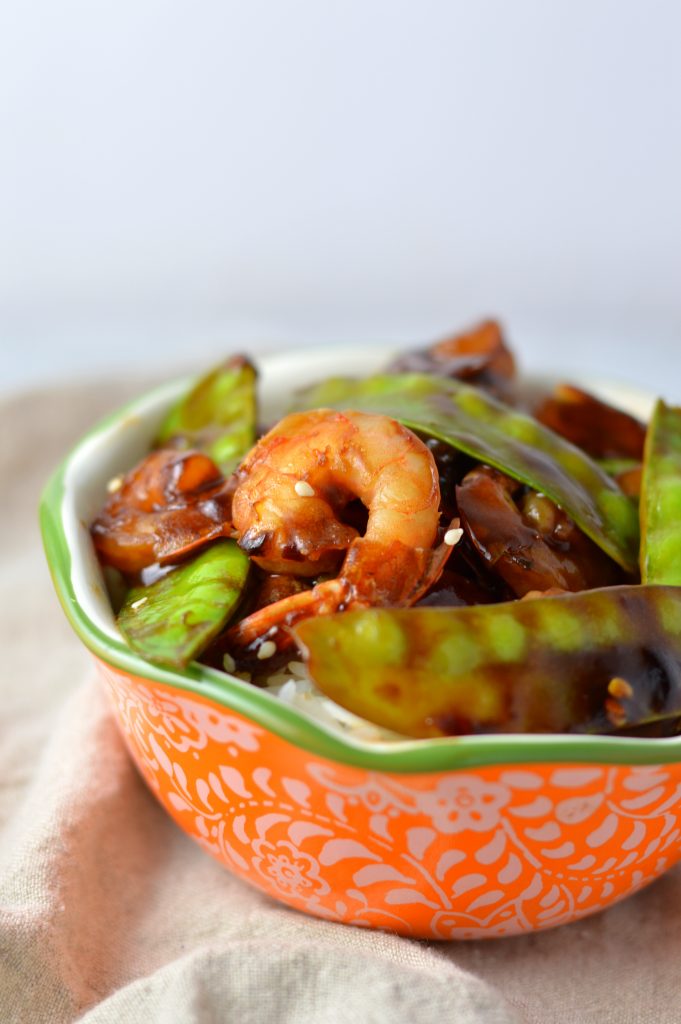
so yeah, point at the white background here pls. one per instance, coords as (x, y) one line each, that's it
(179, 179)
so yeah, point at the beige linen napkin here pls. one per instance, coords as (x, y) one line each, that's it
(108, 913)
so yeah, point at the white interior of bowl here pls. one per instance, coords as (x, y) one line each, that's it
(114, 449)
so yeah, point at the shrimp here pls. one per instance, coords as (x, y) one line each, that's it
(288, 513)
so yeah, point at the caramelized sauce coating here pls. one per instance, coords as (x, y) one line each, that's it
(479, 356)
(168, 506)
(596, 427)
(527, 539)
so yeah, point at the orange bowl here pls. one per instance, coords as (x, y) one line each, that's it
(464, 837)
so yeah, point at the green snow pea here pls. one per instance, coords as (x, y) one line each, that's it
(172, 620)
(483, 427)
(218, 416)
(613, 467)
(596, 661)
(661, 498)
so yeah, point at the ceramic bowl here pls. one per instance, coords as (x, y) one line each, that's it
(456, 838)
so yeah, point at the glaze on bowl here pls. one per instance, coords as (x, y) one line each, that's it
(466, 837)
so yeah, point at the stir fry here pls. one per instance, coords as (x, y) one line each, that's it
(446, 554)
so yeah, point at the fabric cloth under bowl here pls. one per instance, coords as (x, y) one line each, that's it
(108, 913)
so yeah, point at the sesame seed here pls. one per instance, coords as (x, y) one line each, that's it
(228, 663)
(138, 603)
(297, 669)
(266, 650)
(303, 488)
(452, 537)
(114, 484)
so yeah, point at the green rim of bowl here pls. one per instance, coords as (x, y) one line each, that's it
(266, 710)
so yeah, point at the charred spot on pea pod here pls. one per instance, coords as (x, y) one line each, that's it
(390, 691)
(643, 688)
(598, 661)
(451, 724)
(663, 679)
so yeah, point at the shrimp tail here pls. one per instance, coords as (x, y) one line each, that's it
(392, 574)
(246, 640)
(374, 575)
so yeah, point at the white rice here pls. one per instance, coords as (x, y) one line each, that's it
(293, 686)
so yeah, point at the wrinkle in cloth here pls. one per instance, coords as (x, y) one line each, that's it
(109, 913)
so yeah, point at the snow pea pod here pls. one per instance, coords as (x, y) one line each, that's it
(218, 416)
(661, 498)
(596, 661)
(483, 427)
(172, 620)
(619, 467)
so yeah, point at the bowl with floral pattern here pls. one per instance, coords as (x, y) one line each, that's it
(453, 838)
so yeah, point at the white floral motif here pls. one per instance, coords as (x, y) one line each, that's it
(293, 872)
(375, 793)
(215, 725)
(556, 859)
(185, 723)
(375, 797)
(463, 802)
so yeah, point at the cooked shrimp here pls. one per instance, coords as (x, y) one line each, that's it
(294, 485)
(288, 507)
